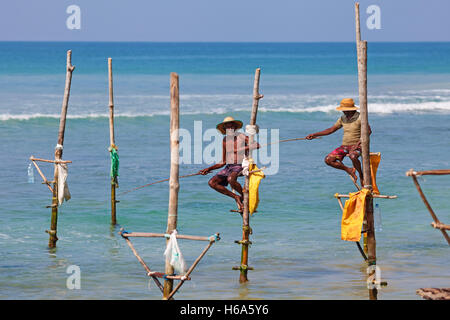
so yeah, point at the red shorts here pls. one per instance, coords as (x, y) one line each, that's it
(342, 151)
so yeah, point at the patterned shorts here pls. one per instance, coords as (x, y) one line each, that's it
(227, 171)
(342, 151)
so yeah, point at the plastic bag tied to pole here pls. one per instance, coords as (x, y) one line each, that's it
(63, 188)
(173, 254)
(114, 165)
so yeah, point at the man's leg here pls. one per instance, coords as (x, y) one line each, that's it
(335, 162)
(357, 165)
(215, 183)
(232, 180)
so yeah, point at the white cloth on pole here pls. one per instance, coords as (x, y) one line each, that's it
(245, 164)
(63, 188)
(251, 129)
(173, 254)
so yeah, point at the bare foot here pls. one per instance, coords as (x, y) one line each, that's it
(239, 203)
(353, 175)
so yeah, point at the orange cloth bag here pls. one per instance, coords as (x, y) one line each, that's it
(375, 159)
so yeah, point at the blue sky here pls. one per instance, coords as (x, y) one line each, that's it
(224, 20)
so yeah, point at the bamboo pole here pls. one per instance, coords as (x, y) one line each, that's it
(112, 140)
(174, 185)
(42, 176)
(59, 151)
(440, 226)
(50, 161)
(427, 204)
(190, 269)
(164, 235)
(365, 147)
(146, 267)
(358, 28)
(428, 172)
(380, 196)
(245, 216)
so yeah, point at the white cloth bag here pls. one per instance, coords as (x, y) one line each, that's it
(173, 254)
(63, 188)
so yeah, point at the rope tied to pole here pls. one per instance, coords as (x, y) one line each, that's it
(214, 238)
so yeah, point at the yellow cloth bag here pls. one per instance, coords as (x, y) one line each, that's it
(353, 216)
(253, 186)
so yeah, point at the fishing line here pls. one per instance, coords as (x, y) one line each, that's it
(196, 174)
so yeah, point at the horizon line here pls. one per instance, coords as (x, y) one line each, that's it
(262, 42)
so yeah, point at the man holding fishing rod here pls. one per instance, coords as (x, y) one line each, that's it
(351, 143)
(234, 149)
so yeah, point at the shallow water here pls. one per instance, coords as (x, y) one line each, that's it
(297, 252)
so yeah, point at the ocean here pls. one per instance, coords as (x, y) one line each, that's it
(297, 252)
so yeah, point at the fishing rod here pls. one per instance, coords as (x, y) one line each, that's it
(198, 173)
(287, 140)
(149, 184)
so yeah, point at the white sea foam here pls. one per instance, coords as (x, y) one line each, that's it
(221, 104)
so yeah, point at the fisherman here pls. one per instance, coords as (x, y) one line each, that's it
(351, 141)
(234, 150)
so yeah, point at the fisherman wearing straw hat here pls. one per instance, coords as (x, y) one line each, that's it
(234, 151)
(351, 143)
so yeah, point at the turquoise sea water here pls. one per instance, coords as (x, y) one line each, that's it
(297, 252)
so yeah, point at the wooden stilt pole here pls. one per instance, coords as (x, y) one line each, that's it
(174, 171)
(358, 41)
(427, 204)
(365, 147)
(59, 151)
(112, 140)
(358, 28)
(245, 216)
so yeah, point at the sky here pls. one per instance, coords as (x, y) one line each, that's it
(223, 21)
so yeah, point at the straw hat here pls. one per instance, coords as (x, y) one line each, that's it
(347, 105)
(221, 126)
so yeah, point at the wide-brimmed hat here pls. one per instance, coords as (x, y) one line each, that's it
(221, 126)
(347, 105)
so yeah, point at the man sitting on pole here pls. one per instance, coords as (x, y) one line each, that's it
(351, 143)
(234, 150)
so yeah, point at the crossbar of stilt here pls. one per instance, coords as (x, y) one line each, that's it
(191, 268)
(413, 174)
(155, 275)
(165, 235)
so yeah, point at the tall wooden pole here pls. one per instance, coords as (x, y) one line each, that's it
(358, 41)
(112, 140)
(59, 151)
(174, 185)
(245, 216)
(358, 28)
(365, 146)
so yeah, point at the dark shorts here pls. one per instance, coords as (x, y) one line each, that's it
(226, 172)
(343, 151)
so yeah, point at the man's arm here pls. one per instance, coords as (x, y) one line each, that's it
(323, 133)
(217, 165)
(247, 147)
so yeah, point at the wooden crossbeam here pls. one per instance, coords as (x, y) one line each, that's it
(50, 161)
(380, 196)
(155, 275)
(165, 235)
(440, 226)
